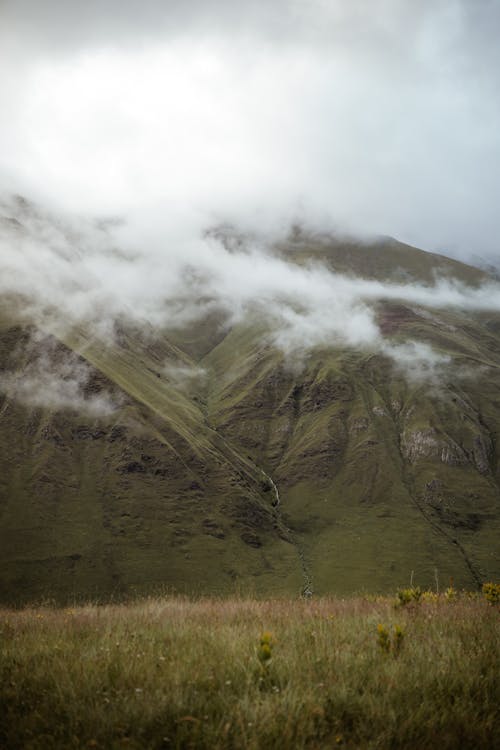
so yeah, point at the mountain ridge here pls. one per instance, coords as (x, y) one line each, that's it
(228, 466)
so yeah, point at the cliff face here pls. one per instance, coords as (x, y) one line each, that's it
(218, 464)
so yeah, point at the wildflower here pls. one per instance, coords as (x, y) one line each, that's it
(266, 637)
(385, 642)
(407, 596)
(397, 639)
(450, 594)
(430, 596)
(491, 592)
(383, 638)
(265, 650)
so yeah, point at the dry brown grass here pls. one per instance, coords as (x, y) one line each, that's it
(171, 672)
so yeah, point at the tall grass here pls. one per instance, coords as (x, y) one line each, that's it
(174, 673)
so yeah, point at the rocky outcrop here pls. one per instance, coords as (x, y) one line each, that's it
(428, 444)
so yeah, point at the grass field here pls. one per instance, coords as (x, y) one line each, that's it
(176, 673)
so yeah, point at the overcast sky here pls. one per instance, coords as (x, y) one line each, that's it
(379, 116)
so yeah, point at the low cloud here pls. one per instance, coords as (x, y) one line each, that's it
(182, 375)
(417, 361)
(376, 115)
(64, 271)
(56, 379)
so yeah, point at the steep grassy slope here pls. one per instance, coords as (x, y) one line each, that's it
(384, 259)
(142, 497)
(378, 476)
(224, 466)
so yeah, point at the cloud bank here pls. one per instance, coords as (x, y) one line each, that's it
(380, 116)
(137, 126)
(55, 380)
(63, 271)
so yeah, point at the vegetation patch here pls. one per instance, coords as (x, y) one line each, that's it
(243, 673)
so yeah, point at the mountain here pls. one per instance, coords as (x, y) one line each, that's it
(203, 460)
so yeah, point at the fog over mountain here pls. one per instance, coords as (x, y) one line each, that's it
(373, 117)
(225, 362)
(167, 149)
(69, 271)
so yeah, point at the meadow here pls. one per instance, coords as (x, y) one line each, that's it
(170, 672)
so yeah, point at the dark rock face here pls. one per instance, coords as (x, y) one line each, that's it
(84, 432)
(251, 538)
(212, 528)
(132, 467)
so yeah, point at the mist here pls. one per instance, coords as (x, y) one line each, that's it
(372, 117)
(133, 129)
(55, 379)
(62, 271)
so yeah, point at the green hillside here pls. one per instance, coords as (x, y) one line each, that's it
(222, 468)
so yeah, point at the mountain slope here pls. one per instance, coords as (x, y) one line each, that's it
(221, 465)
(142, 497)
(376, 473)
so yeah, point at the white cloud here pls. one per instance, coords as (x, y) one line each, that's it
(417, 360)
(381, 116)
(54, 379)
(375, 116)
(182, 375)
(68, 271)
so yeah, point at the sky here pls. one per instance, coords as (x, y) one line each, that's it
(369, 116)
(133, 128)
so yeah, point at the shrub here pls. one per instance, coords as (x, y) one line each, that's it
(397, 641)
(430, 596)
(407, 596)
(492, 592)
(384, 639)
(450, 594)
